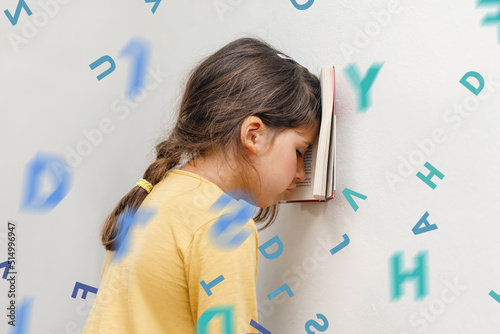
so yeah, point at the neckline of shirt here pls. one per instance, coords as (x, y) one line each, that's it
(195, 176)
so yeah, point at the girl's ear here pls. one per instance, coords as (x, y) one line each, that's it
(252, 133)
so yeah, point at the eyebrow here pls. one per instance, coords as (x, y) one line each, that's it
(310, 145)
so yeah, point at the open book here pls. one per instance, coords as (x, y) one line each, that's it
(319, 161)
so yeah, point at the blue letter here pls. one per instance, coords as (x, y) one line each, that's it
(101, 60)
(341, 245)
(20, 5)
(210, 285)
(127, 219)
(418, 274)
(316, 325)
(363, 86)
(157, 3)
(417, 230)
(23, 316)
(268, 244)
(5, 264)
(279, 290)
(138, 49)
(467, 85)
(85, 288)
(304, 6)
(427, 179)
(226, 312)
(230, 222)
(35, 171)
(260, 328)
(348, 192)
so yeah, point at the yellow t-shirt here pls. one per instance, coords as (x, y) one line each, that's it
(155, 287)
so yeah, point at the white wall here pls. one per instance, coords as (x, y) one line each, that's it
(49, 96)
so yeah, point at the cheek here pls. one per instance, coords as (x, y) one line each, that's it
(289, 167)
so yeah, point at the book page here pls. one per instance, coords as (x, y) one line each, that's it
(304, 190)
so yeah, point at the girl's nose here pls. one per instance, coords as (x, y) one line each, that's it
(301, 174)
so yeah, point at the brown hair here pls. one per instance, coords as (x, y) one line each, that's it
(244, 78)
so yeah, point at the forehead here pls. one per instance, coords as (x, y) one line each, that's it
(308, 133)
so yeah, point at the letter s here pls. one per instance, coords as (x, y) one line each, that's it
(312, 323)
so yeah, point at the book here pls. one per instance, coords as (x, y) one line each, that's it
(319, 161)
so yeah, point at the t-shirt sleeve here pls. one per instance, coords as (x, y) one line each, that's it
(235, 294)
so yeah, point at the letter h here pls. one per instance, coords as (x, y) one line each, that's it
(433, 171)
(418, 274)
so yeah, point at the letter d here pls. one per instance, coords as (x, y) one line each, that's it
(467, 85)
(263, 248)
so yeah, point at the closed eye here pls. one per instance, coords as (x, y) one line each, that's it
(299, 153)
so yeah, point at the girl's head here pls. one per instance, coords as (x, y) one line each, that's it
(254, 109)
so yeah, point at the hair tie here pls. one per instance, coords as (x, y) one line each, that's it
(285, 57)
(144, 184)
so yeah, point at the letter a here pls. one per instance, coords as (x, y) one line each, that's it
(467, 85)
(417, 229)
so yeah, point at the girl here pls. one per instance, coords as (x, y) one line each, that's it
(246, 118)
